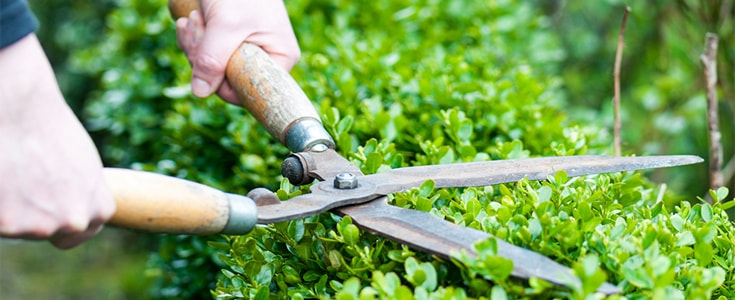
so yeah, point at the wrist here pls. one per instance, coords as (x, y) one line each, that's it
(29, 93)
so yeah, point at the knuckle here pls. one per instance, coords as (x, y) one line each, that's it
(208, 64)
(36, 231)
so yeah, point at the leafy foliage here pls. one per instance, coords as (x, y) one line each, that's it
(431, 83)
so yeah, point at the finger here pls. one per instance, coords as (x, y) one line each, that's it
(195, 28)
(227, 93)
(213, 53)
(285, 53)
(186, 36)
(80, 230)
(64, 240)
(182, 34)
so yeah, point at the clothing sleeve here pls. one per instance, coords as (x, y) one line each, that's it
(16, 21)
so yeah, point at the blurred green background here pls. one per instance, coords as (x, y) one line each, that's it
(100, 49)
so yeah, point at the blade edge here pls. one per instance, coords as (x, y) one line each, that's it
(512, 170)
(430, 234)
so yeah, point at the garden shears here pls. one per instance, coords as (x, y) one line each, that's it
(159, 203)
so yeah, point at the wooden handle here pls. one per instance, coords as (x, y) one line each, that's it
(163, 204)
(269, 93)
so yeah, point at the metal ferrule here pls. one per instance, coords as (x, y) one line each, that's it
(243, 215)
(306, 133)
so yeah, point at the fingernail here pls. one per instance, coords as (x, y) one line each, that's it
(199, 87)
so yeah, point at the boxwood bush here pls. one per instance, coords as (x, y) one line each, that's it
(401, 83)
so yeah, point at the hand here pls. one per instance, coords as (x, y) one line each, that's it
(210, 39)
(52, 185)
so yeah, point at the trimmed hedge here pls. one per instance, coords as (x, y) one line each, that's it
(401, 83)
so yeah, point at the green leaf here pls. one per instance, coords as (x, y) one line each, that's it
(706, 212)
(534, 226)
(561, 177)
(426, 188)
(411, 265)
(263, 293)
(373, 162)
(585, 211)
(544, 194)
(431, 281)
(634, 272)
(703, 252)
(728, 205)
(403, 293)
(498, 293)
(421, 274)
(618, 229)
(350, 289)
(334, 259)
(291, 275)
(588, 270)
(474, 206)
(264, 276)
(344, 125)
(418, 277)
(677, 222)
(296, 229)
(219, 245)
(685, 238)
(311, 275)
(720, 194)
(351, 234)
(424, 204)
(331, 116)
(539, 285)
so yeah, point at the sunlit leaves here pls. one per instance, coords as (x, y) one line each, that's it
(431, 83)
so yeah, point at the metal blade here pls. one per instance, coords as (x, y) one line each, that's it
(324, 196)
(427, 233)
(512, 170)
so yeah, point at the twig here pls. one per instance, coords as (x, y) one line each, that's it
(616, 82)
(709, 61)
(729, 170)
(661, 192)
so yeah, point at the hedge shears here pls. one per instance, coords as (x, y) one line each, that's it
(159, 203)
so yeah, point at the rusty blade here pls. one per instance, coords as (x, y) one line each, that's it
(324, 196)
(512, 170)
(427, 233)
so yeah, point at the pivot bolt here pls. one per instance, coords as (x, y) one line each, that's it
(319, 147)
(345, 181)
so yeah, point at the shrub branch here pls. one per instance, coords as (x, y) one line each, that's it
(616, 83)
(709, 61)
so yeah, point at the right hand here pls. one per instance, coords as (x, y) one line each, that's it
(51, 182)
(210, 39)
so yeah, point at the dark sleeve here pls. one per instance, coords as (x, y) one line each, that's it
(16, 21)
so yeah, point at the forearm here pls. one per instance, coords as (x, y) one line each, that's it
(52, 185)
(28, 88)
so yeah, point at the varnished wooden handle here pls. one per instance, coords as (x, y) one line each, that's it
(269, 93)
(163, 204)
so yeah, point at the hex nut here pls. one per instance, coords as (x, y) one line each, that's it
(345, 181)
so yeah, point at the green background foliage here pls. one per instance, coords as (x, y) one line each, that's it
(405, 83)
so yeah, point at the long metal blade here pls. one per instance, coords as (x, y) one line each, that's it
(427, 233)
(324, 196)
(512, 170)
